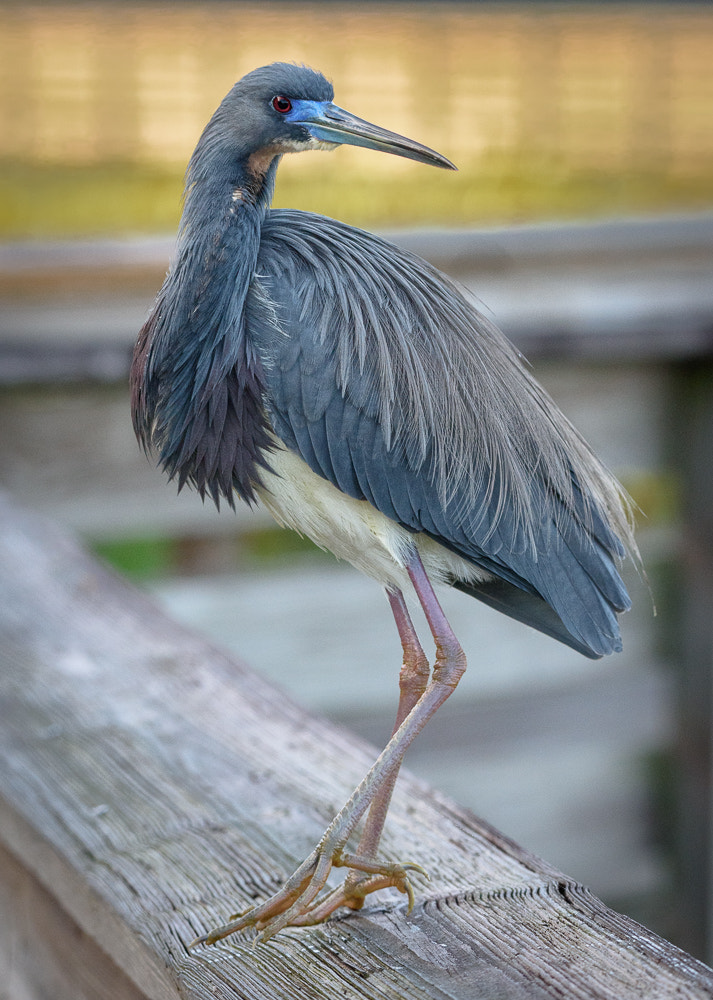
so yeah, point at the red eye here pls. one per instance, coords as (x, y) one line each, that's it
(282, 104)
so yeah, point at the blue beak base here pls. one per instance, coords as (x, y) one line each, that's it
(329, 123)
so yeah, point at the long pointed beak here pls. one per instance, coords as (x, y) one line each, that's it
(332, 124)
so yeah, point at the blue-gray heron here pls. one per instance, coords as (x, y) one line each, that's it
(350, 387)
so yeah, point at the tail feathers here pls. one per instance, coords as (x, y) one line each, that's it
(586, 552)
(532, 610)
(572, 584)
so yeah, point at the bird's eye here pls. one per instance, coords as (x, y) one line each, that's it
(282, 104)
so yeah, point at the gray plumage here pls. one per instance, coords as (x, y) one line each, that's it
(283, 329)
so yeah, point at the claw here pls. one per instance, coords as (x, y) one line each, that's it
(296, 903)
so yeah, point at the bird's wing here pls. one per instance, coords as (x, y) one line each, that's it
(390, 385)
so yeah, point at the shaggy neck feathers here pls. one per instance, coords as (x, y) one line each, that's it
(197, 387)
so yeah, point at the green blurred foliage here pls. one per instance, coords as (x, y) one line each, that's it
(140, 559)
(145, 559)
(42, 200)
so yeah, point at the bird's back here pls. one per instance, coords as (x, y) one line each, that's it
(390, 386)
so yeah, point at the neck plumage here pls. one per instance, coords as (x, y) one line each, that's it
(196, 386)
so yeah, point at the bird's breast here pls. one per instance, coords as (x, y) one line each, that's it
(352, 529)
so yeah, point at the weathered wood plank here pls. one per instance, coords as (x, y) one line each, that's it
(43, 953)
(152, 785)
(547, 744)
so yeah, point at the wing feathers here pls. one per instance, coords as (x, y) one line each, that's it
(390, 385)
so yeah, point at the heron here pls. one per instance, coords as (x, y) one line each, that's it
(357, 393)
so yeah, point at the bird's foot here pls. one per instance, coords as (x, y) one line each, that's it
(365, 877)
(296, 903)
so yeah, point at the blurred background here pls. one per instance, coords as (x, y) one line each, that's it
(581, 215)
(549, 110)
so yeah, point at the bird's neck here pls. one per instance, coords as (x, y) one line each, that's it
(218, 243)
(219, 239)
(225, 194)
(202, 385)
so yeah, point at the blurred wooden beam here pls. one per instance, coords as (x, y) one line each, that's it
(692, 451)
(619, 289)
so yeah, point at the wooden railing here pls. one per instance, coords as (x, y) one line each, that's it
(150, 786)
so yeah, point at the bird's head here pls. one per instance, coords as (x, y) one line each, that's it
(283, 108)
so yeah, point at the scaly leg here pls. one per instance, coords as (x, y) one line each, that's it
(295, 902)
(413, 680)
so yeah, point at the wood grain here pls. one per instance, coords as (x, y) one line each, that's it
(152, 785)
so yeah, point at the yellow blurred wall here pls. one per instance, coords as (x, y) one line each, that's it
(611, 87)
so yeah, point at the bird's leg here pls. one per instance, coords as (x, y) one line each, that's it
(413, 679)
(295, 904)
